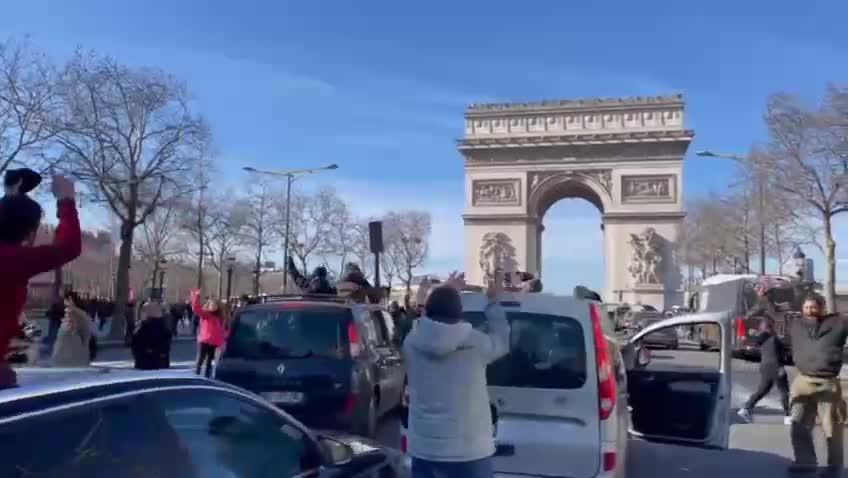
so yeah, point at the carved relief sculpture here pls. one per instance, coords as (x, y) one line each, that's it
(648, 188)
(496, 192)
(496, 251)
(647, 260)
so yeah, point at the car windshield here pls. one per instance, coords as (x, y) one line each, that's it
(546, 351)
(291, 332)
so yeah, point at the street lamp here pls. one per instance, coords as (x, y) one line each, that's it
(705, 153)
(290, 176)
(231, 262)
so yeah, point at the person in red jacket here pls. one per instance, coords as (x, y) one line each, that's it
(20, 218)
(214, 330)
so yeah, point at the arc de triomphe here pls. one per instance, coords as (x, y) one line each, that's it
(624, 155)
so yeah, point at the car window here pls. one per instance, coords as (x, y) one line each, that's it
(125, 438)
(374, 328)
(290, 332)
(230, 437)
(382, 327)
(546, 351)
(391, 329)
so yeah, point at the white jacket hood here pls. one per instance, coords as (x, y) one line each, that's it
(437, 339)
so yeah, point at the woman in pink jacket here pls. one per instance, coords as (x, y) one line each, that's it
(214, 329)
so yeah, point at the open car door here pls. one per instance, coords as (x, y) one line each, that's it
(681, 396)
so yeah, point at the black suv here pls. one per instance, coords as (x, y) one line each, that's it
(328, 362)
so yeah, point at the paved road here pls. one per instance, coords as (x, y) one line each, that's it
(761, 448)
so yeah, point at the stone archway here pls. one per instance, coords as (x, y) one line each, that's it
(624, 155)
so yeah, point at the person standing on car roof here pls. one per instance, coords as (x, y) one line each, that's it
(20, 219)
(771, 371)
(818, 340)
(450, 426)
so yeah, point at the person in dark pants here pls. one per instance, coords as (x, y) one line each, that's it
(151, 343)
(818, 341)
(214, 329)
(771, 372)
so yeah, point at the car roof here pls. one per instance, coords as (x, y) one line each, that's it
(542, 303)
(37, 381)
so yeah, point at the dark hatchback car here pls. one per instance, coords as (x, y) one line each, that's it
(130, 424)
(664, 338)
(328, 362)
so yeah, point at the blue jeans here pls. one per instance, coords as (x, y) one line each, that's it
(452, 469)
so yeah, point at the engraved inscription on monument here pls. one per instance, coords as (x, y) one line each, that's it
(657, 188)
(496, 192)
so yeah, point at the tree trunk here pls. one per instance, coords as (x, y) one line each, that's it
(830, 258)
(778, 246)
(200, 263)
(257, 271)
(122, 281)
(221, 277)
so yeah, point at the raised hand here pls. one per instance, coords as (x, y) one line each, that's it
(456, 280)
(62, 188)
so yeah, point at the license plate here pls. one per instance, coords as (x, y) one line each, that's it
(286, 398)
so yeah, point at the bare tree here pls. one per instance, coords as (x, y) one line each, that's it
(30, 103)
(315, 218)
(227, 222)
(131, 137)
(709, 237)
(805, 159)
(196, 218)
(159, 240)
(408, 234)
(259, 230)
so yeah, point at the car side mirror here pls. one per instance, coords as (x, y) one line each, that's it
(643, 357)
(338, 452)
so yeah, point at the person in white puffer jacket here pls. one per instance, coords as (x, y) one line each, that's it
(450, 424)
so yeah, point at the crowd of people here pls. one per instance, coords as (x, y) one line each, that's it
(439, 347)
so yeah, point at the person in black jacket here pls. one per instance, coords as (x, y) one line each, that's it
(151, 342)
(317, 283)
(771, 371)
(818, 341)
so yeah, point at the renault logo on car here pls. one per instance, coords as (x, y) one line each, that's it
(281, 369)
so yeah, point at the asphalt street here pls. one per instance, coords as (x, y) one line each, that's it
(761, 448)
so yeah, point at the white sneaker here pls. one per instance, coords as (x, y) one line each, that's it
(745, 414)
(787, 420)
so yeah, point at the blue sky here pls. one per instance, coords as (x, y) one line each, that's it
(379, 87)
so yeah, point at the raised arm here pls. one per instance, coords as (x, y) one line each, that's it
(196, 305)
(67, 245)
(493, 344)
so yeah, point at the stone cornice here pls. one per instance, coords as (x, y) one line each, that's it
(654, 217)
(576, 139)
(499, 219)
(574, 105)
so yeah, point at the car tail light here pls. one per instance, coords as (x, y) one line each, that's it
(741, 330)
(606, 378)
(405, 399)
(403, 444)
(609, 460)
(350, 403)
(354, 339)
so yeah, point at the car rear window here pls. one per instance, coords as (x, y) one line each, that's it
(290, 332)
(546, 351)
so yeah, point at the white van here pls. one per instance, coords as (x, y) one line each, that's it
(561, 395)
